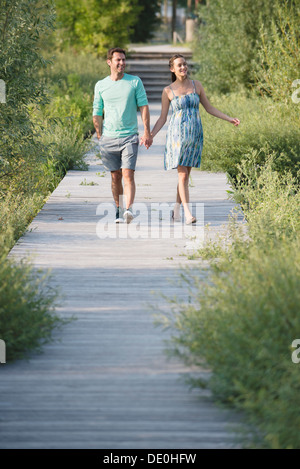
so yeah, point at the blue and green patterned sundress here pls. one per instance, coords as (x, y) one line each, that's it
(185, 134)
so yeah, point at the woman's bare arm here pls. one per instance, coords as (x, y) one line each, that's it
(211, 109)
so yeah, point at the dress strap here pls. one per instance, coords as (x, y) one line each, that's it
(194, 86)
(172, 91)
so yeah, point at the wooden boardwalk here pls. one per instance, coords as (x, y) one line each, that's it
(105, 382)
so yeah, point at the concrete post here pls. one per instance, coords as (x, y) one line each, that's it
(174, 7)
(165, 11)
(189, 29)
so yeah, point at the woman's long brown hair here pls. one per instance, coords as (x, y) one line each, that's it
(171, 63)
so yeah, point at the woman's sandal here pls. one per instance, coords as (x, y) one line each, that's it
(190, 220)
(173, 217)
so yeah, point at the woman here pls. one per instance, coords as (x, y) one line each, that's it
(184, 136)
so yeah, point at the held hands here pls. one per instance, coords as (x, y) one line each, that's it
(146, 140)
(234, 121)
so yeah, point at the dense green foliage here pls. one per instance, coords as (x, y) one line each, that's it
(95, 25)
(21, 23)
(241, 322)
(239, 42)
(71, 79)
(279, 54)
(27, 303)
(265, 127)
(246, 49)
(147, 21)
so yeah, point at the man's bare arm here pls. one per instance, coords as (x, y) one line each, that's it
(147, 137)
(98, 122)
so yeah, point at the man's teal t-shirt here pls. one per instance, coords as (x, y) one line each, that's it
(119, 100)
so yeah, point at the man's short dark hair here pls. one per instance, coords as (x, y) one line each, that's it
(111, 52)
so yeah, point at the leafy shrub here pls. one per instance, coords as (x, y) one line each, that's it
(66, 147)
(269, 200)
(27, 304)
(16, 212)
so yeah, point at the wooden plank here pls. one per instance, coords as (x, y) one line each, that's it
(105, 382)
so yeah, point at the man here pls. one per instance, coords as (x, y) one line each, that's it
(118, 96)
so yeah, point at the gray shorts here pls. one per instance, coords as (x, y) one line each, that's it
(117, 153)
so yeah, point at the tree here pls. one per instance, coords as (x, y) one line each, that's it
(95, 25)
(147, 20)
(174, 8)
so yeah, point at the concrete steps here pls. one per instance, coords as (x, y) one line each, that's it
(155, 75)
(155, 55)
(151, 64)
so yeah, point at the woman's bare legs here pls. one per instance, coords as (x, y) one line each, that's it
(177, 205)
(183, 196)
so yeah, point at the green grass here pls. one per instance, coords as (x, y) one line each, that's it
(91, 183)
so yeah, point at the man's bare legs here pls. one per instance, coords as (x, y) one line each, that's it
(129, 186)
(117, 187)
(183, 196)
(129, 191)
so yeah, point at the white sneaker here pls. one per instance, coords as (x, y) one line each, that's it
(128, 216)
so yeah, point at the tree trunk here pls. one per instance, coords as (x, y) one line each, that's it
(165, 11)
(174, 6)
